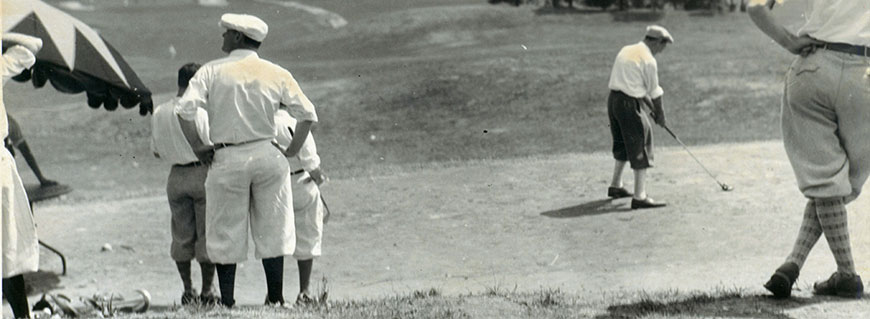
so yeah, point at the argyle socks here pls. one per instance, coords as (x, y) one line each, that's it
(832, 216)
(811, 230)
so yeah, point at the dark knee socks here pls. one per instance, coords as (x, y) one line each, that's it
(274, 269)
(226, 281)
(14, 290)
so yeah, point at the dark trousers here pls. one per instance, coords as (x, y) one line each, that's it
(630, 129)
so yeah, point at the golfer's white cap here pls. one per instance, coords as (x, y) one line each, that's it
(33, 44)
(659, 32)
(248, 25)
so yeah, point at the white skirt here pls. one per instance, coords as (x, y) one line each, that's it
(19, 242)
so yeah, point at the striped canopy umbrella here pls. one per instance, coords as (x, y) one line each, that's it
(74, 57)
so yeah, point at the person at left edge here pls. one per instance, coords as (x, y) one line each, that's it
(19, 242)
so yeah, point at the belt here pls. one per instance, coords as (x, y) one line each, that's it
(218, 146)
(297, 172)
(197, 163)
(846, 48)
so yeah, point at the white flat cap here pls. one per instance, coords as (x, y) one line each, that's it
(248, 25)
(659, 32)
(32, 44)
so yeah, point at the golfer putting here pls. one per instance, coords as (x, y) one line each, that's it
(634, 82)
(824, 129)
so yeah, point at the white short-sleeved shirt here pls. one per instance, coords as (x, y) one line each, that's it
(241, 93)
(635, 72)
(167, 138)
(307, 158)
(15, 60)
(839, 21)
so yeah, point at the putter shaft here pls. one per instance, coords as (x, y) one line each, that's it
(723, 186)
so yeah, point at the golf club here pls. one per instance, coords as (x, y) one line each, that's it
(725, 187)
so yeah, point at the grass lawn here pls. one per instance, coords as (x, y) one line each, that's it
(429, 84)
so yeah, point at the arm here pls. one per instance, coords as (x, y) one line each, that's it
(653, 100)
(760, 13)
(311, 161)
(203, 152)
(31, 161)
(300, 134)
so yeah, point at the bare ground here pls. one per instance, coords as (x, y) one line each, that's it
(521, 225)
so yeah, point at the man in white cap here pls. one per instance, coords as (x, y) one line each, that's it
(20, 247)
(824, 128)
(248, 183)
(308, 206)
(634, 81)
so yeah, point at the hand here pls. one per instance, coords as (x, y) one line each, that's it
(803, 45)
(205, 156)
(660, 120)
(317, 176)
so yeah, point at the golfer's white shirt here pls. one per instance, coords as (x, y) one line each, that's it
(307, 158)
(635, 72)
(843, 21)
(241, 94)
(167, 138)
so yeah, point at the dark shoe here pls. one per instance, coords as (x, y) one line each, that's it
(646, 203)
(782, 280)
(189, 297)
(841, 285)
(618, 192)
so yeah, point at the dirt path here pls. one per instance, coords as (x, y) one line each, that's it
(514, 224)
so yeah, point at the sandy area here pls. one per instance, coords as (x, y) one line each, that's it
(511, 224)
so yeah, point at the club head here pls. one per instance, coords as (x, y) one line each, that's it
(726, 187)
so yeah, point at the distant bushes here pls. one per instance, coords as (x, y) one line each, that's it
(717, 5)
(603, 4)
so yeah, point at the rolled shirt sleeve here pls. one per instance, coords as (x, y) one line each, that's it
(15, 60)
(308, 155)
(194, 97)
(202, 127)
(651, 77)
(298, 104)
(308, 158)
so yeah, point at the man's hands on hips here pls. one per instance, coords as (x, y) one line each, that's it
(205, 155)
(802, 45)
(317, 176)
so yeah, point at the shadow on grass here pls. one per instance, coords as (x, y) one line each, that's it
(730, 305)
(41, 281)
(597, 207)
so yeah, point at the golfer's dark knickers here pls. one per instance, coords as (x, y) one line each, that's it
(632, 136)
